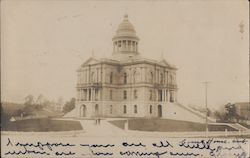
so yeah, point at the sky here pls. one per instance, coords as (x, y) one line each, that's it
(44, 42)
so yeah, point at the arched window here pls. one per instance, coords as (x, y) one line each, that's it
(135, 109)
(125, 78)
(135, 94)
(111, 77)
(124, 109)
(150, 109)
(124, 95)
(111, 109)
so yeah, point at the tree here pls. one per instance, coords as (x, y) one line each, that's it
(219, 115)
(40, 99)
(29, 100)
(60, 100)
(69, 105)
(231, 112)
(209, 112)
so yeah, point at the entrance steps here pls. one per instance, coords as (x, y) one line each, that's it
(102, 129)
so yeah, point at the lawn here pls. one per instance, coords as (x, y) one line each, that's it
(166, 125)
(42, 125)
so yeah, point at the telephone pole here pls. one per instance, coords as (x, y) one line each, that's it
(206, 85)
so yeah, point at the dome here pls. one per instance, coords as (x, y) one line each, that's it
(126, 28)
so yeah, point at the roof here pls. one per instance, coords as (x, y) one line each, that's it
(94, 61)
(125, 29)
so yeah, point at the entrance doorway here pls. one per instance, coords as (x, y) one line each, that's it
(96, 110)
(159, 111)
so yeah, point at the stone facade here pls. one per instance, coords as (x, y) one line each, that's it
(127, 85)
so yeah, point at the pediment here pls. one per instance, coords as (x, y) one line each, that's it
(91, 61)
(164, 62)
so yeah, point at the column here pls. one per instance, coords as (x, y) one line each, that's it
(170, 95)
(87, 76)
(166, 95)
(99, 94)
(173, 96)
(81, 94)
(118, 48)
(123, 45)
(92, 94)
(130, 45)
(162, 95)
(176, 96)
(126, 45)
(157, 95)
(78, 94)
(133, 46)
(87, 99)
(97, 75)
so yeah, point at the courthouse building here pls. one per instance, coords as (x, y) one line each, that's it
(128, 85)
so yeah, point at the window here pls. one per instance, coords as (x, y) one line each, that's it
(96, 94)
(111, 109)
(135, 94)
(150, 94)
(151, 77)
(171, 79)
(157, 76)
(124, 94)
(161, 78)
(125, 78)
(124, 109)
(159, 95)
(150, 109)
(92, 77)
(111, 77)
(134, 77)
(135, 109)
(85, 94)
(110, 94)
(171, 97)
(89, 94)
(96, 109)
